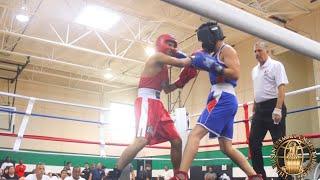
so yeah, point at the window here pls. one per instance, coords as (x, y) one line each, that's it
(122, 123)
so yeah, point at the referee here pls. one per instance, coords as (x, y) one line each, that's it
(269, 111)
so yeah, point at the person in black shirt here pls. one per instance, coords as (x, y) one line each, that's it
(86, 171)
(11, 174)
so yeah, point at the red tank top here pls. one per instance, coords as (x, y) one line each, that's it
(155, 82)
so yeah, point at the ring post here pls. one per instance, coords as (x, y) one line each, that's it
(24, 123)
(247, 126)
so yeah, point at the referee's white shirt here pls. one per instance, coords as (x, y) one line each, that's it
(267, 78)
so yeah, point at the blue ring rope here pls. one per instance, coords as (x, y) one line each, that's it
(49, 116)
(303, 109)
(95, 122)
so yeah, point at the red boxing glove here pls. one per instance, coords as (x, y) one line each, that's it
(185, 76)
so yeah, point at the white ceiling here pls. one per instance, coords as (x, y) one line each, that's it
(67, 54)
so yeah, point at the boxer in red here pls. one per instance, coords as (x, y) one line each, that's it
(153, 122)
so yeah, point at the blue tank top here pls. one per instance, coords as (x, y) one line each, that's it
(214, 77)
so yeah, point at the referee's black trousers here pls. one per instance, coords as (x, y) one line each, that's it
(262, 122)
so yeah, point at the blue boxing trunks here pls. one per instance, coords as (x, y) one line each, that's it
(221, 108)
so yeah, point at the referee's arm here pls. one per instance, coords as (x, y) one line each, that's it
(281, 95)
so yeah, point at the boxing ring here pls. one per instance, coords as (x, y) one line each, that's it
(101, 122)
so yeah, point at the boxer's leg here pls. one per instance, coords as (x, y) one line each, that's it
(168, 132)
(131, 151)
(235, 155)
(176, 153)
(191, 149)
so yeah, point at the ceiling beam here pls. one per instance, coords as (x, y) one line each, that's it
(56, 75)
(58, 86)
(70, 46)
(71, 78)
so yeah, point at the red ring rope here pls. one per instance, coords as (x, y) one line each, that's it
(48, 138)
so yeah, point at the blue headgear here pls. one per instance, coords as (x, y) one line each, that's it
(209, 33)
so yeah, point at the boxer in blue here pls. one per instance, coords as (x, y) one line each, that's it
(222, 63)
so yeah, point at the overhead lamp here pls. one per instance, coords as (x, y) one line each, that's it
(22, 18)
(150, 51)
(108, 75)
(97, 17)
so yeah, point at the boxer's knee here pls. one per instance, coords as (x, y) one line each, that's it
(141, 141)
(176, 143)
(226, 149)
(223, 149)
(198, 132)
(226, 146)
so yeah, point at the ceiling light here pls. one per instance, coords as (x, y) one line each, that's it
(150, 51)
(22, 18)
(97, 17)
(108, 75)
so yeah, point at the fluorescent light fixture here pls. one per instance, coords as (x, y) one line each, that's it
(150, 51)
(97, 17)
(108, 75)
(22, 18)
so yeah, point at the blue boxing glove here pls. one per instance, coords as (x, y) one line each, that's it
(205, 61)
(180, 55)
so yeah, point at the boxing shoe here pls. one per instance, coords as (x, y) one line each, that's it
(180, 175)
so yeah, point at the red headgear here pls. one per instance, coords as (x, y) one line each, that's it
(161, 44)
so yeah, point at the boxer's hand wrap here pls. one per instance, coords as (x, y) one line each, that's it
(276, 115)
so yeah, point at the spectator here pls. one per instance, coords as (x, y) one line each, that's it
(97, 173)
(11, 174)
(1, 174)
(38, 173)
(132, 174)
(105, 171)
(125, 175)
(141, 173)
(20, 168)
(92, 167)
(63, 174)
(224, 176)
(75, 175)
(210, 176)
(6, 170)
(52, 176)
(148, 172)
(167, 174)
(68, 167)
(7, 162)
(86, 171)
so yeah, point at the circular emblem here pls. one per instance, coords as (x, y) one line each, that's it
(293, 155)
